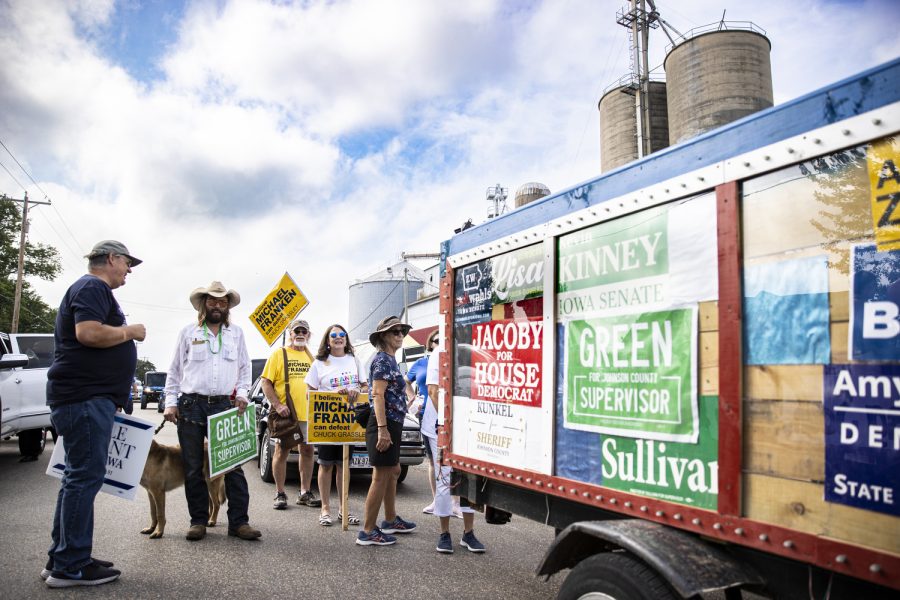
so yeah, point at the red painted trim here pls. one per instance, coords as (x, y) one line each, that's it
(445, 369)
(730, 345)
(854, 561)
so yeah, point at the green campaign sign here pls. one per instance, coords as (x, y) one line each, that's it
(633, 375)
(232, 439)
(677, 472)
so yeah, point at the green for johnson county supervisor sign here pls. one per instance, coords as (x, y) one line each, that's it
(633, 375)
(232, 439)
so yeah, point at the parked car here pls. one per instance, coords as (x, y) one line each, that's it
(412, 448)
(154, 384)
(24, 360)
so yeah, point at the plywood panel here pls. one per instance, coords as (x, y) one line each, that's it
(783, 382)
(709, 316)
(709, 349)
(800, 505)
(839, 306)
(784, 438)
(709, 381)
(839, 341)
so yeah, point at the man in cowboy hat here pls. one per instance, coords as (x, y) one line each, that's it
(211, 372)
(89, 380)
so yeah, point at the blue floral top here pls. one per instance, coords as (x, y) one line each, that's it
(384, 367)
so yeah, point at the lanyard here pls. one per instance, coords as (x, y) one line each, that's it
(206, 337)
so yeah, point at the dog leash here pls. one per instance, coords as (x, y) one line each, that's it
(157, 430)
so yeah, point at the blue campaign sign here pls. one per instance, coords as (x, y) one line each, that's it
(473, 294)
(862, 436)
(875, 303)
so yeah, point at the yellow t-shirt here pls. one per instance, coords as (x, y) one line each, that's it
(298, 365)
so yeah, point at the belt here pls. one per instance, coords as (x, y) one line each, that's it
(208, 399)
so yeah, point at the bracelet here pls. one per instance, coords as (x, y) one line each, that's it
(380, 426)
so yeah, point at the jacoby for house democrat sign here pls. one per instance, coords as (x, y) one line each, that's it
(507, 361)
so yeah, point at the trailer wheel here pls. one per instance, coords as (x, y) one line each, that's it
(614, 576)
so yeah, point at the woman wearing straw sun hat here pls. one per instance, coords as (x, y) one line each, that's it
(389, 397)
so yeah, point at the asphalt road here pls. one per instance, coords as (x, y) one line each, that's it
(295, 558)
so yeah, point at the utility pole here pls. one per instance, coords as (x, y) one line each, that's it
(17, 301)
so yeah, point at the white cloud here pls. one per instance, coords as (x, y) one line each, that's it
(240, 162)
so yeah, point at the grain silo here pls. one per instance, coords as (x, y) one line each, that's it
(716, 77)
(381, 295)
(618, 124)
(529, 192)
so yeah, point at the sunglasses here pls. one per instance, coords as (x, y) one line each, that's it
(338, 334)
(217, 301)
(301, 331)
(396, 331)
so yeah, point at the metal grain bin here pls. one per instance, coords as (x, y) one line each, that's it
(618, 128)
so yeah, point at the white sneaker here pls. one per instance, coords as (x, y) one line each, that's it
(429, 510)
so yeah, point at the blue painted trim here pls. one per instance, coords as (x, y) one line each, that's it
(126, 421)
(855, 95)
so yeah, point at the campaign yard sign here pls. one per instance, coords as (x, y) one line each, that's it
(129, 446)
(277, 309)
(862, 436)
(232, 439)
(875, 304)
(506, 361)
(633, 375)
(331, 419)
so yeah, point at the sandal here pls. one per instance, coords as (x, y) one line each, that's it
(351, 519)
(325, 520)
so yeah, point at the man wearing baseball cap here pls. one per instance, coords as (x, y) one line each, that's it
(88, 382)
(290, 365)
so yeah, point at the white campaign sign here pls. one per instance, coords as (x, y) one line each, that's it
(129, 446)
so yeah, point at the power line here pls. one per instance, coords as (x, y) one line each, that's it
(24, 170)
(36, 316)
(13, 177)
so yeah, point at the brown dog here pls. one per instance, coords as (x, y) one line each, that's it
(163, 473)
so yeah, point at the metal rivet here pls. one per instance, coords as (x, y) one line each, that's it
(875, 568)
(666, 190)
(840, 558)
(540, 483)
(763, 537)
(790, 150)
(788, 544)
(876, 121)
(606, 209)
(701, 179)
(613, 501)
(684, 185)
(586, 494)
(660, 513)
(628, 504)
(549, 486)
(717, 526)
(845, 131)
(767, 157)
(695, 521)
(598, 498)
(816, 141)
(528, 480)
(746, 164)
(651, 196)
(739, 531)
(644, 509)
(678, 517)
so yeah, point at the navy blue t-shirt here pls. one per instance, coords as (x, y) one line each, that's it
(80, 372)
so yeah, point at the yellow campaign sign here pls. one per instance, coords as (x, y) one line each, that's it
(883, 159)
(330, 419)
(275, 312)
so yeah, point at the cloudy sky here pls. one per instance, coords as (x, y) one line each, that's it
(239, 139)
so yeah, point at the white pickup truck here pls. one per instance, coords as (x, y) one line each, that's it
(24, 360)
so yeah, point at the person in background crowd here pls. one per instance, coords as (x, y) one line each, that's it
(273, 379)
(443, 504)
(209, 374)
(335, 369)
(388, 399)
(416, 374)
(88, 382)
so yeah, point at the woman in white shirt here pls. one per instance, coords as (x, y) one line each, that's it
(334, 370)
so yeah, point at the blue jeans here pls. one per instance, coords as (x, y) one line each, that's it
(85, 428)
(191, 432)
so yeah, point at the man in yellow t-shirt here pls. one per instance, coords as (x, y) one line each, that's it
(298, 361)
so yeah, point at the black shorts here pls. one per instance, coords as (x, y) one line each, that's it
(330, 454)
(389, 457)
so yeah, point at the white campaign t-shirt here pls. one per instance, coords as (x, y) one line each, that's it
(335, 373)
(429, 417)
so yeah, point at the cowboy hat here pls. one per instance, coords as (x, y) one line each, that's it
(385, 324)
(216, 290)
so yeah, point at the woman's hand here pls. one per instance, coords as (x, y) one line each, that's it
(352, 395)
(384, 439)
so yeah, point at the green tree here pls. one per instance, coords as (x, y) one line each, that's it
(143, 366)
(41, 261)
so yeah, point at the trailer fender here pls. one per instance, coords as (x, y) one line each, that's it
(690, 565)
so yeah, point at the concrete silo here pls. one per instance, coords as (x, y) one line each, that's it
(529, 192)
(618, 124)
(381, 295)
(716, 77)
